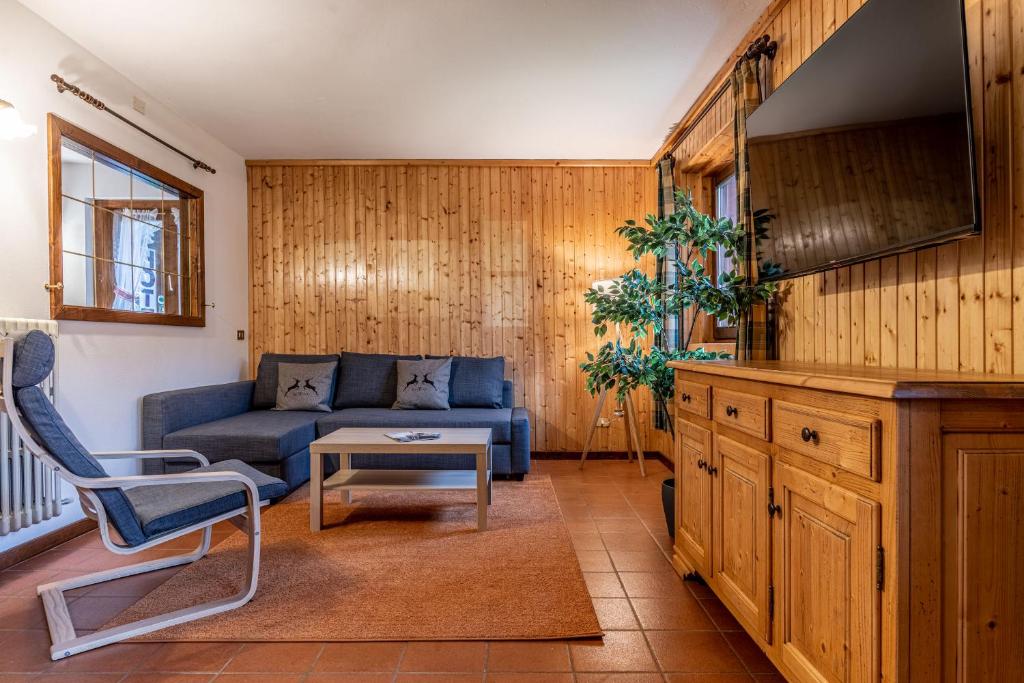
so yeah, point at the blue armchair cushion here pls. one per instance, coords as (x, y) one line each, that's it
(476, 382)
(368, 380)
(50, 430)
(265, 393)
(256, 436)
(33, 359)
(498, 420)
(162, 509)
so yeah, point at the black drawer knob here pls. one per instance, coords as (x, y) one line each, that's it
(731, 411)
(685, 398)
(702, 464)
(712, 470)
(808, 435)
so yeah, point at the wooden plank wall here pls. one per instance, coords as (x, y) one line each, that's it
(958, 306)
(463, 259)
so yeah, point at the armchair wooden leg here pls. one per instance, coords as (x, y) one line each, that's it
(62, 632)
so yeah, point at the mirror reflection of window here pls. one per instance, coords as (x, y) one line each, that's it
(129, 241)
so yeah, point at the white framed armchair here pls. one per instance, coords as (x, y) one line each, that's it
(135, 512)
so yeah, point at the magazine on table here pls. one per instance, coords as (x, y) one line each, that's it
(405, 437)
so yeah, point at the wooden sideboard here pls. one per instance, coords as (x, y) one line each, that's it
(862, 524)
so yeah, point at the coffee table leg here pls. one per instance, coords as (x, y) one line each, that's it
(316, 493)
(482, 492)
(345, 463)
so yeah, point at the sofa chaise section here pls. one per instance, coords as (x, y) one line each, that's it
(219, 422)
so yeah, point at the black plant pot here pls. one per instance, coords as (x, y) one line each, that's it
(668, 501)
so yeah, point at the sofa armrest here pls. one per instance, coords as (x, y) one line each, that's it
(169, 411)
(520, 451)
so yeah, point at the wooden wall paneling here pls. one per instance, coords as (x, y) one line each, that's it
(1017, 219)
(872, 313)
(947, 308)
(926, 332)
(857, 346)
(906, 311)
(997, 211)
(844, 328)
(474, 259)
(888, 306)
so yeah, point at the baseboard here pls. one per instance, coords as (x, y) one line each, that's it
(600, 455)
(41, 544)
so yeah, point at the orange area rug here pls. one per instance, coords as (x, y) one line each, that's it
(404, 565)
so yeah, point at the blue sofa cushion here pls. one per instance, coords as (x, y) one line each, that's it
(265, 393)
(50, 430)
(33, 359)
(499, 420)
(256, 436)
(368, 380)
(165, 508)
(476, 382)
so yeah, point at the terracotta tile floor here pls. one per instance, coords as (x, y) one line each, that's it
(658, 628)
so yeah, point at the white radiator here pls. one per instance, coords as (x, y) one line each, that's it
(30, 492)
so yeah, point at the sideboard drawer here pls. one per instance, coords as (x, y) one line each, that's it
(745, 412)
(845, 441)
(693, 397)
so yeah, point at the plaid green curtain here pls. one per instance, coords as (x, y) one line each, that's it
(755, 338)
(670, 336)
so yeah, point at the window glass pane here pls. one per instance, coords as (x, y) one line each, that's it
(726, 205)
(112, 180)
(120, 287)
(75, 171)
(76, 227)
(78, 280)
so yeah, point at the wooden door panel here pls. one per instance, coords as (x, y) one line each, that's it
(693, 496)
(988, 563)
(828, 608)
(742, 529)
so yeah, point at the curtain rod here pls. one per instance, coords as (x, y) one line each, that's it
(63, 85)
(762, 46)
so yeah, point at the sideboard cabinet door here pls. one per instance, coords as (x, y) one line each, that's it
(828, 600)
(693, 529)
(742, 529)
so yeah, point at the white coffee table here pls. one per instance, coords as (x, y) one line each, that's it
(348, 440)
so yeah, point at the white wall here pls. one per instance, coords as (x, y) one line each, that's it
(105, 368)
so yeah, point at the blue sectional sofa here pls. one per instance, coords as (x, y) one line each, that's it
(234, 421)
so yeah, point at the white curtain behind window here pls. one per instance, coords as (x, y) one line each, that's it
(133, 254)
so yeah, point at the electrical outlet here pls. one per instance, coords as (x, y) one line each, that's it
(241, 335)
(604, 422)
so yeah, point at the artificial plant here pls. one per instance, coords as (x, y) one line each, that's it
(638, 303)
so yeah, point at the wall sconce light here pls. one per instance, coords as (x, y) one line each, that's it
(11, 125)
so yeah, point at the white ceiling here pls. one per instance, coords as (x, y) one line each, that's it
(417, 78)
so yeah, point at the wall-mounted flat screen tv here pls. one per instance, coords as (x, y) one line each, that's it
(867, 149)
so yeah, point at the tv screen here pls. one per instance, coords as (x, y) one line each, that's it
(866, 149)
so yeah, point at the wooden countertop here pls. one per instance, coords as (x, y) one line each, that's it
(866, 381)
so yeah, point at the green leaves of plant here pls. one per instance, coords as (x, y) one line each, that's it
(639, 303)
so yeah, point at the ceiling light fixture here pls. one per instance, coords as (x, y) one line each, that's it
(11, 125)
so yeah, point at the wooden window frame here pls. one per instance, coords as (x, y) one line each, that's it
(58, 129)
